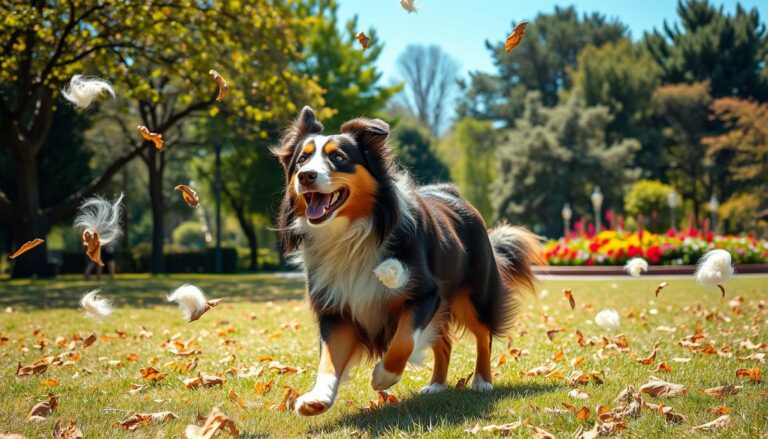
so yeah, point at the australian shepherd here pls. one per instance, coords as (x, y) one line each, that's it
(391, 268)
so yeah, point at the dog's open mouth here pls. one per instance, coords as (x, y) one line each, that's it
(321, 206)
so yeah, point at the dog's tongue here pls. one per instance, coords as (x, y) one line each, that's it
(317, 204)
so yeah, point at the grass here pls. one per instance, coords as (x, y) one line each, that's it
(259, 319)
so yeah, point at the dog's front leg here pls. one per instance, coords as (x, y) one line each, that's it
(339, 345)
(413, 319)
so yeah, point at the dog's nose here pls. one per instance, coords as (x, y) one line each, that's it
(307, 177)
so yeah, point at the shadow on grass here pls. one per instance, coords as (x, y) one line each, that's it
(449, 408)
(146, 291)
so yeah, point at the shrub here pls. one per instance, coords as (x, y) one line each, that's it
(649, 198)
(189, 234)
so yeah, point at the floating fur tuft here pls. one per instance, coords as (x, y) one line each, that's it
(95, 306)
(82, 90)
(635, 266)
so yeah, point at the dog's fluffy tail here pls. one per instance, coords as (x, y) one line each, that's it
(516, 250)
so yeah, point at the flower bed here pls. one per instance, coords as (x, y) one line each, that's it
(673, 248)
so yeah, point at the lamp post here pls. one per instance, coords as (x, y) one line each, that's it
(567, 215)
(217, 193)
(672, 200)
(713, 205)
(597, 202)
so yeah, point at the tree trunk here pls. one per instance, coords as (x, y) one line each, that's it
(157, 261)
(248, 230)
(28, 224)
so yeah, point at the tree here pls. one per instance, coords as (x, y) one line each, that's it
(727, 50)
(650, 198)
(541, 63)
(472, 146)
(430, 83)
(347, 74)
(42, 43)
(414, 150)
(685, 110)
(557, 155)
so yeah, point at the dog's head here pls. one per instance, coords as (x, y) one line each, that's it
(341, 177)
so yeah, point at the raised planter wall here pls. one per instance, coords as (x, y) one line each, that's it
(615, 270)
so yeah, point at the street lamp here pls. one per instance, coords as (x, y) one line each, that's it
(672, 200)
(713, 205)
(567, 215)
(597, 202)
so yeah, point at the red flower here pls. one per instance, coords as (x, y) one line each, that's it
(594, 247)
(653, 254)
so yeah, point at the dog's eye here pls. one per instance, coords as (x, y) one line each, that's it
(338, 158)
(302, 159)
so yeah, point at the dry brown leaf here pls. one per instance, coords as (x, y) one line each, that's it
(576, 378)
(759, 356)
(540, 433)
(132, 357)
(363, 39)
(27, 246)
(190, 196)
(671, 416)
(597, 377)
(222, 83)
(502, 360)
(721, 422)
(463, 382)
(282, 368)
(44, 408)
(92, 247)
(50, 382)
(578, 394)
(660, 287)
(151, 374)
(234, 397)
(493, 428)
(214, 422)
(576, 362)
(91, 339)
(551, 333)
(645, 361)
(261, 388)
(68, 431)
(539, 370)
(569, 295)
(516, 37)
(155, 138)
(659, 387)
(135, 421)
(726, 390)
(719, 410)
(754, 374)
(136, 388)
(289, 400)
(583, 413)
(662, 367)
(35, 369)
(558, 356)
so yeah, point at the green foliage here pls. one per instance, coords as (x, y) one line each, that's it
(551, 46)
(334, 60)
(472, 149)
(650, 198)
(557, 155)
(739, 214)
(414, 150)
(189, 234)
(729, 51)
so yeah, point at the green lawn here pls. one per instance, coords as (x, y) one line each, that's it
(260, 317)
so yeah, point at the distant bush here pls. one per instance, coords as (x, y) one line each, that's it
(649, 198)
(189, 234)
(739, 213)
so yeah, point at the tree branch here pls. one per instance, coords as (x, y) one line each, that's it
(56, 213)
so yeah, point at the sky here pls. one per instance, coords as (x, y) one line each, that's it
(461, 27)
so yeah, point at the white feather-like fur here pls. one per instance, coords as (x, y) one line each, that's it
(608, 319)
(714, 268)
(392, 273)
(191, 300)
(635, 266)
(409, 5)
(82, 90)
(95, 306)
(99, 215)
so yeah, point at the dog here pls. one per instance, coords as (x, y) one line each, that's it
(391, 268)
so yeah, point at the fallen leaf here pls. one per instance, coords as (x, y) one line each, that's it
(27, 246)
(282, 368)
(50, 382)
(135, 421)
(214, 422)
(155, 138)
(222, 83)
(658, 387)
(719, 410)
(92, 247)
(597, 377)
(726, 390)
(578, 394)
(234, 397)
(69, 431)
(540, 433)
(576, 378)
(261, 388)
(136, 388)
(660, 287)
(502, 360)
(754, 374)
(645, 361)
(463, 382)
(44, 408)
(551, 333)
(91, 339)
(671, 416)
(583, 413)
(189, 195)
(35, 369)
(363, 39)
(493, 428)
(571, 301)
(662, 367)
(759, 356)
(132, 357)
(289, 400)
(516, 37)
(151, 374)
(576, 362)
(721, 422)
(558, 356)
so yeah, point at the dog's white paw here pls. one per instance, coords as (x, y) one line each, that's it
(480, 385)
(313, 403)
(391, 273)
(432, 389)
(382, 379)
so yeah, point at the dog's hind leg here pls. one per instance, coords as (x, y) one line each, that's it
(442, 351)
(339, 346)
(464, 312)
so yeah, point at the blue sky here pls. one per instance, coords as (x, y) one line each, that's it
(461, 27)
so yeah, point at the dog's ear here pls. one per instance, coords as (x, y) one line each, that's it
(371, 137)
(303, 126)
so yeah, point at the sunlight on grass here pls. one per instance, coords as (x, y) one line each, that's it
(264, 316)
